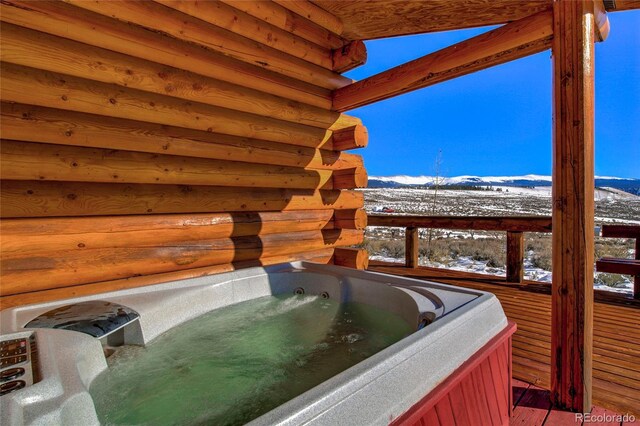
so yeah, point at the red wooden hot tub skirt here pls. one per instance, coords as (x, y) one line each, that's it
(477, 393)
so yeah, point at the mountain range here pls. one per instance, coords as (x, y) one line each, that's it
(630, 185)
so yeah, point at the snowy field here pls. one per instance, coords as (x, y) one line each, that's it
(612, 206)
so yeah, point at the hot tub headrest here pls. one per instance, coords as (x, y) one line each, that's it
(96, 318)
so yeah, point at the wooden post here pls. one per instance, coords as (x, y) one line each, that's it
(412, 243)
(573, 205)
(515, 257)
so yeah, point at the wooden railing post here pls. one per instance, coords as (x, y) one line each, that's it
(412, 244)
(515, 257)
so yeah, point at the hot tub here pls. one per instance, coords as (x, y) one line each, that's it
(456, 357)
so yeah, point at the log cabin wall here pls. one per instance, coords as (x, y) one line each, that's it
(149, 141)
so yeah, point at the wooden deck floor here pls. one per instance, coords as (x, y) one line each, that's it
(532, 407)
(616, 366)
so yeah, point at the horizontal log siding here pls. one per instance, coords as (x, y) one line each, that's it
(43, 51)
(33, 161)
(49, 125)
(283, 18)
(132, 157)
(80, 233)
(185, 27)
(73, 267)
(70, 22)
(8, 301)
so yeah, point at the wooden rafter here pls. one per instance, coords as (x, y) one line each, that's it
(601, 20)
(349, 56)
(512, 41)
(620, 5)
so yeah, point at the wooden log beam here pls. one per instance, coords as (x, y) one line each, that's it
(291, 22)
(622, 5)
(515, 257)
(601, 20)
(573, 205)
(351, 258)
(349, 179)
(314, 13)
(350, 138)
(70, 22)
(46, 162)
(350, 219)
(349, 56)
(184, 27)
(479, 223)
(320, 256)
(54, 90)
(412, 246)
(43, 51)
(512, 41)
(26, 237)
(224, 16)
(49, 125)
(47, 199)
(67, 268)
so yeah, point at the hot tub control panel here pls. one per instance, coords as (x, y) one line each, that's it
(18, 358)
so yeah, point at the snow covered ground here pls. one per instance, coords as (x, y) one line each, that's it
(466, 264)
(612, 206)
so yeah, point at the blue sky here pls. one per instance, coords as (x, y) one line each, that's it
(498, 121)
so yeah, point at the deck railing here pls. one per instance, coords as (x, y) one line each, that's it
(514, 226)
(623, 266)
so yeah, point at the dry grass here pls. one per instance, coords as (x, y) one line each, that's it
(491, 250)
(538, 247)
(443, 249)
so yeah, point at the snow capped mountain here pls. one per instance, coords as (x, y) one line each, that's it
(459, 180)
(630, 185)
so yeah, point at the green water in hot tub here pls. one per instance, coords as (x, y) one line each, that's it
(234, 364)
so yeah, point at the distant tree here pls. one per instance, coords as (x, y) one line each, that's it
(434, 201)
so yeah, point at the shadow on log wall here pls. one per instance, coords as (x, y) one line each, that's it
(166, 156)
